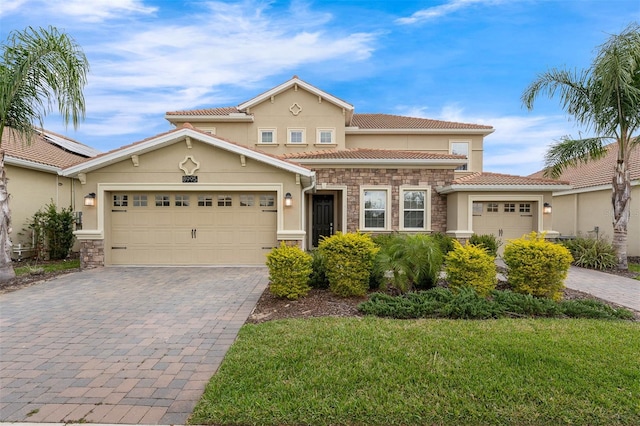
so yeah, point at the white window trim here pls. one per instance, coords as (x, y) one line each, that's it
(296, 129)
(427, 207)
(267, 129)
(387, 212)
(468, 142)
(332, 130)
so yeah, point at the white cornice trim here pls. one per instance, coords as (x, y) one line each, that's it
(358, 131)
(500, 188)
(288, 84)
(19, 162)
(175, 136)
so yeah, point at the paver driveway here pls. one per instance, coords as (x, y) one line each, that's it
(120, 345)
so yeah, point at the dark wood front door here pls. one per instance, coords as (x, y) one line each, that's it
(322, 217)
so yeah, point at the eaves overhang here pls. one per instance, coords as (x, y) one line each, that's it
(358, 131)
(175, 136)
(449, 189)
(607, 187)
(33, 165)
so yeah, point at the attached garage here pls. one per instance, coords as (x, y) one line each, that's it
(504, 219)
(191, 228)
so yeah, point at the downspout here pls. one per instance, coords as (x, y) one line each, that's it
(303, 218)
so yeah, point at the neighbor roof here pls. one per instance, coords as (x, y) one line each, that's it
(599, 172)
(45, 151)
(484, 181)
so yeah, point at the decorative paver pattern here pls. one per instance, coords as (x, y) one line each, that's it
(620, 290)
(120, 345)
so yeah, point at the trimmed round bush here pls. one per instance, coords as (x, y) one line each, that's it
(536, 266)
(289, 271)
(471, 266)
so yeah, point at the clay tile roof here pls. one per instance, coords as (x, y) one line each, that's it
(369, 154)
(40, 150)
(486, 178)
(388, 121)
(206, 111)
(599, 172)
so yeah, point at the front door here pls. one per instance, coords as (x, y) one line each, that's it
(322, 225)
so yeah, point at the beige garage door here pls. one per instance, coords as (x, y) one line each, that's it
(231, 228)
(505, 220)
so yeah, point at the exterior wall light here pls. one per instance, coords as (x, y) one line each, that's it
(546, 208)
(90, 199)
(288, 200)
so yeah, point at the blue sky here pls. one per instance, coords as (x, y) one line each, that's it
(457, 60)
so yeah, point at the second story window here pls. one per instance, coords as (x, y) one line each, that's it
(296, 136)
(326, 136)
(267, 136)
(461, 148)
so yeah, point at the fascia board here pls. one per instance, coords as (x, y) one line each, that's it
(501, 188)
(594, 188)
(358, 131)
(173, 137)
(288, 84)
(19, 162)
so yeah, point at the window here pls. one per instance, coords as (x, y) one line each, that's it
(182, 201)
(140, 201)
(267, 201)
(525, 208)
(162, 201)
(224, 201)
(326, 136)
(120, 200)
(509, 207)
(375, 208)
(267, 136)
(246, 200)
(205, 201)
(461, 148)
(492, 207)
(414, 209)
(296, 136)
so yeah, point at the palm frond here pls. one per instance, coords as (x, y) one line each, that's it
(570, 152)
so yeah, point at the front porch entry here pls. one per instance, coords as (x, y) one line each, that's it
(322, 217)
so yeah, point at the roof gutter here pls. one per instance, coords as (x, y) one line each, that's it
(359, 131)
(500, 188)
(13, 161)
(385, 161)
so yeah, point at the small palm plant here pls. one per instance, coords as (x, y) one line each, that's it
(411, 262)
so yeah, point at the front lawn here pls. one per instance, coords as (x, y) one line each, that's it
(372, 371)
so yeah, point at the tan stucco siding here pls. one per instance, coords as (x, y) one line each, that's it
(31, 190)
(581, 213)
(439, 144)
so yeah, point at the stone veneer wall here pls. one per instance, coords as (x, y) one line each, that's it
(91, 254)
(357, 177)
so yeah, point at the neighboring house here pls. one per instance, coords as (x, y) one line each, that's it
(293, 164)
(34, 181)
(586, 208)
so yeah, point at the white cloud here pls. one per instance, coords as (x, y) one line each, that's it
(11, 6)
(442, 10)
(98, 10)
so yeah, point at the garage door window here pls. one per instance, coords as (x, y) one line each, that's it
(139, 201)
(246, 200)
(267, 201)
(120, 200)
(509, 207)
(182, 201)
(525, 208)
(163, 201)
(492, 207)
(205, 201)
(224, 201)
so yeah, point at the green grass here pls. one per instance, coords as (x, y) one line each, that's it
(372, 371)
(635, 267)
(47, 267)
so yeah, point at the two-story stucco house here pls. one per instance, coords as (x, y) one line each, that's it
(293, 164)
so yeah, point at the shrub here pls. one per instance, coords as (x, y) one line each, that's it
(488, 241)
(472, 266)
(413, 260)
(289, 270)
(444, 241)
(588, 308)
(318, 277)
(589, 252)
(53, 231)
(348, 259)
(536, 266)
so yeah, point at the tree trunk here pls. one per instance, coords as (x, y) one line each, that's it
(6, 268)
(621, 199)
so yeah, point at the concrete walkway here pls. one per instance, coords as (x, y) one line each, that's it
(119, 345)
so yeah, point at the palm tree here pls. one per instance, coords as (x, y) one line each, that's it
(605, 98)
(39, 68)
